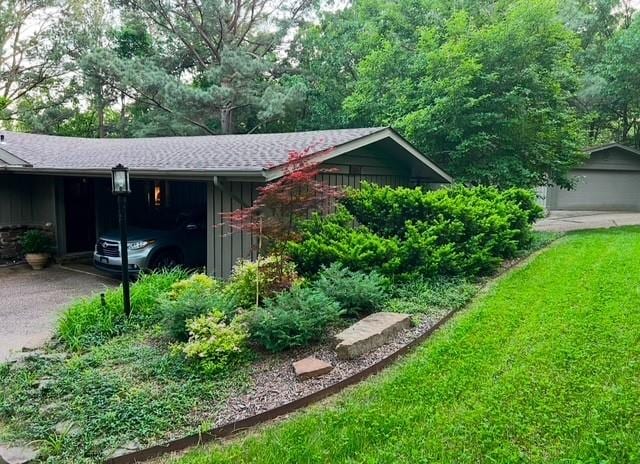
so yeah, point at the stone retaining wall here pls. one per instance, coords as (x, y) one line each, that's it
(10, 237)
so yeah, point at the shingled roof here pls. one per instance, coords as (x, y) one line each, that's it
(248, 154)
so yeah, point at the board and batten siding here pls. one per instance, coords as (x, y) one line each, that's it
(26, 200)
(227, 246)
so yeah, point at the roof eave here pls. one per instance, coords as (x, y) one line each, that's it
(384, 133)
(137, 172)
(612, 145)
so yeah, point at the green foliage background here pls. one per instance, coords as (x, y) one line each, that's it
(499, 92)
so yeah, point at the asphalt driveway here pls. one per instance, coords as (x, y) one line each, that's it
(564, 221)
(30, 302)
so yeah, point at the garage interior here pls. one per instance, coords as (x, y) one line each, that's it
(89, 210)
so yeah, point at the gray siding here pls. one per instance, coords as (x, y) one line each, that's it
(26, 200)
(599, 190)
(226, 246)
(613, 159)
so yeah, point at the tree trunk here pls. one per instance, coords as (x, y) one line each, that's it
(123, 115)
(100, 113)
(625, 126)
(226, 120)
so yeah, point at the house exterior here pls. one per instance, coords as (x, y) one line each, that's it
(62, 184)
(608, 181)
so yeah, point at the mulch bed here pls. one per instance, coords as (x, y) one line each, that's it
(272, 381)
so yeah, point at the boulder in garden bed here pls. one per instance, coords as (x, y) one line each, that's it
(370, 333)
(17, 455)
(311, 367)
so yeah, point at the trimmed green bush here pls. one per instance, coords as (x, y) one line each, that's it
(89, 322)
(402, 231)
(385, 210)
(526, 201)
(293, 319)
(336, 238)
(213, 344)
(358, 293)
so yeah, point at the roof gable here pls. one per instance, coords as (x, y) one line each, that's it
(609, 146)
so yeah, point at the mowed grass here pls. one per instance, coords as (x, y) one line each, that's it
(543, 368)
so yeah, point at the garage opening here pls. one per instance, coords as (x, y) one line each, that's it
(166, 223)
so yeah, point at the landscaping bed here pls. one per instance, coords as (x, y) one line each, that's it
(197, 353)
(542, 369)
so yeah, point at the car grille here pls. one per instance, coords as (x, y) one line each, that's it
(107, 248)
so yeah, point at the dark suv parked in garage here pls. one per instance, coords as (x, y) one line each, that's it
(167, 240)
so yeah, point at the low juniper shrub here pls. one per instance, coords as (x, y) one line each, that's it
(357, 292)
(293, 319)
(189, 305)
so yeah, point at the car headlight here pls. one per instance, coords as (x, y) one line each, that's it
(139, 244)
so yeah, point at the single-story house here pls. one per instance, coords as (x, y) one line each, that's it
(608, 181)
(63, 183)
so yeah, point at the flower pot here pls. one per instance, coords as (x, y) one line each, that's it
(37, 260)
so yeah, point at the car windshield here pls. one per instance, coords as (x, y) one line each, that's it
(164, 219)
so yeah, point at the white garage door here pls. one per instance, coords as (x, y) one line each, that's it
(602, 191)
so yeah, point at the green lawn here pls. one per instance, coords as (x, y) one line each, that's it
(543, 368)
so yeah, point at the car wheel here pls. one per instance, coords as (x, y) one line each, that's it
(164, 260)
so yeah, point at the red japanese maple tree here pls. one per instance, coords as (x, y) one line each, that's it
(280, 204)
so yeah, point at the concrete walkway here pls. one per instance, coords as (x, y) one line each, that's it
(565, 221)
(30, 302)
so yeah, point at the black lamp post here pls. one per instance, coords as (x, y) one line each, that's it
(120, 187)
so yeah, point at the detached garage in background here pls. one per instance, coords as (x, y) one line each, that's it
(608, 181)
(62, 184)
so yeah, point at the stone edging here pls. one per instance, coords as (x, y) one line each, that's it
(234, 427)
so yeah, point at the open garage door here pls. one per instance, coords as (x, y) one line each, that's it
(601, 190)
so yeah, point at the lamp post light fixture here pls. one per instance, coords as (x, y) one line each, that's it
(121, 188)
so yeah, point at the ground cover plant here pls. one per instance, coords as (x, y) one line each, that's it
(130, 389)
(543, 368)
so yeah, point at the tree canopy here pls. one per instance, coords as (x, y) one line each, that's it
(500, 92)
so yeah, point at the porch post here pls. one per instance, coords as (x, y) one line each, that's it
(210, 228)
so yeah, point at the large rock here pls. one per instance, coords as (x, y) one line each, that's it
(44, 384)
(311, 367)
(127, 448)
(67, 427)
(369, 333)
(17, 455)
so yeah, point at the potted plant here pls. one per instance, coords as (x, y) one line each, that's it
(36, 245)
